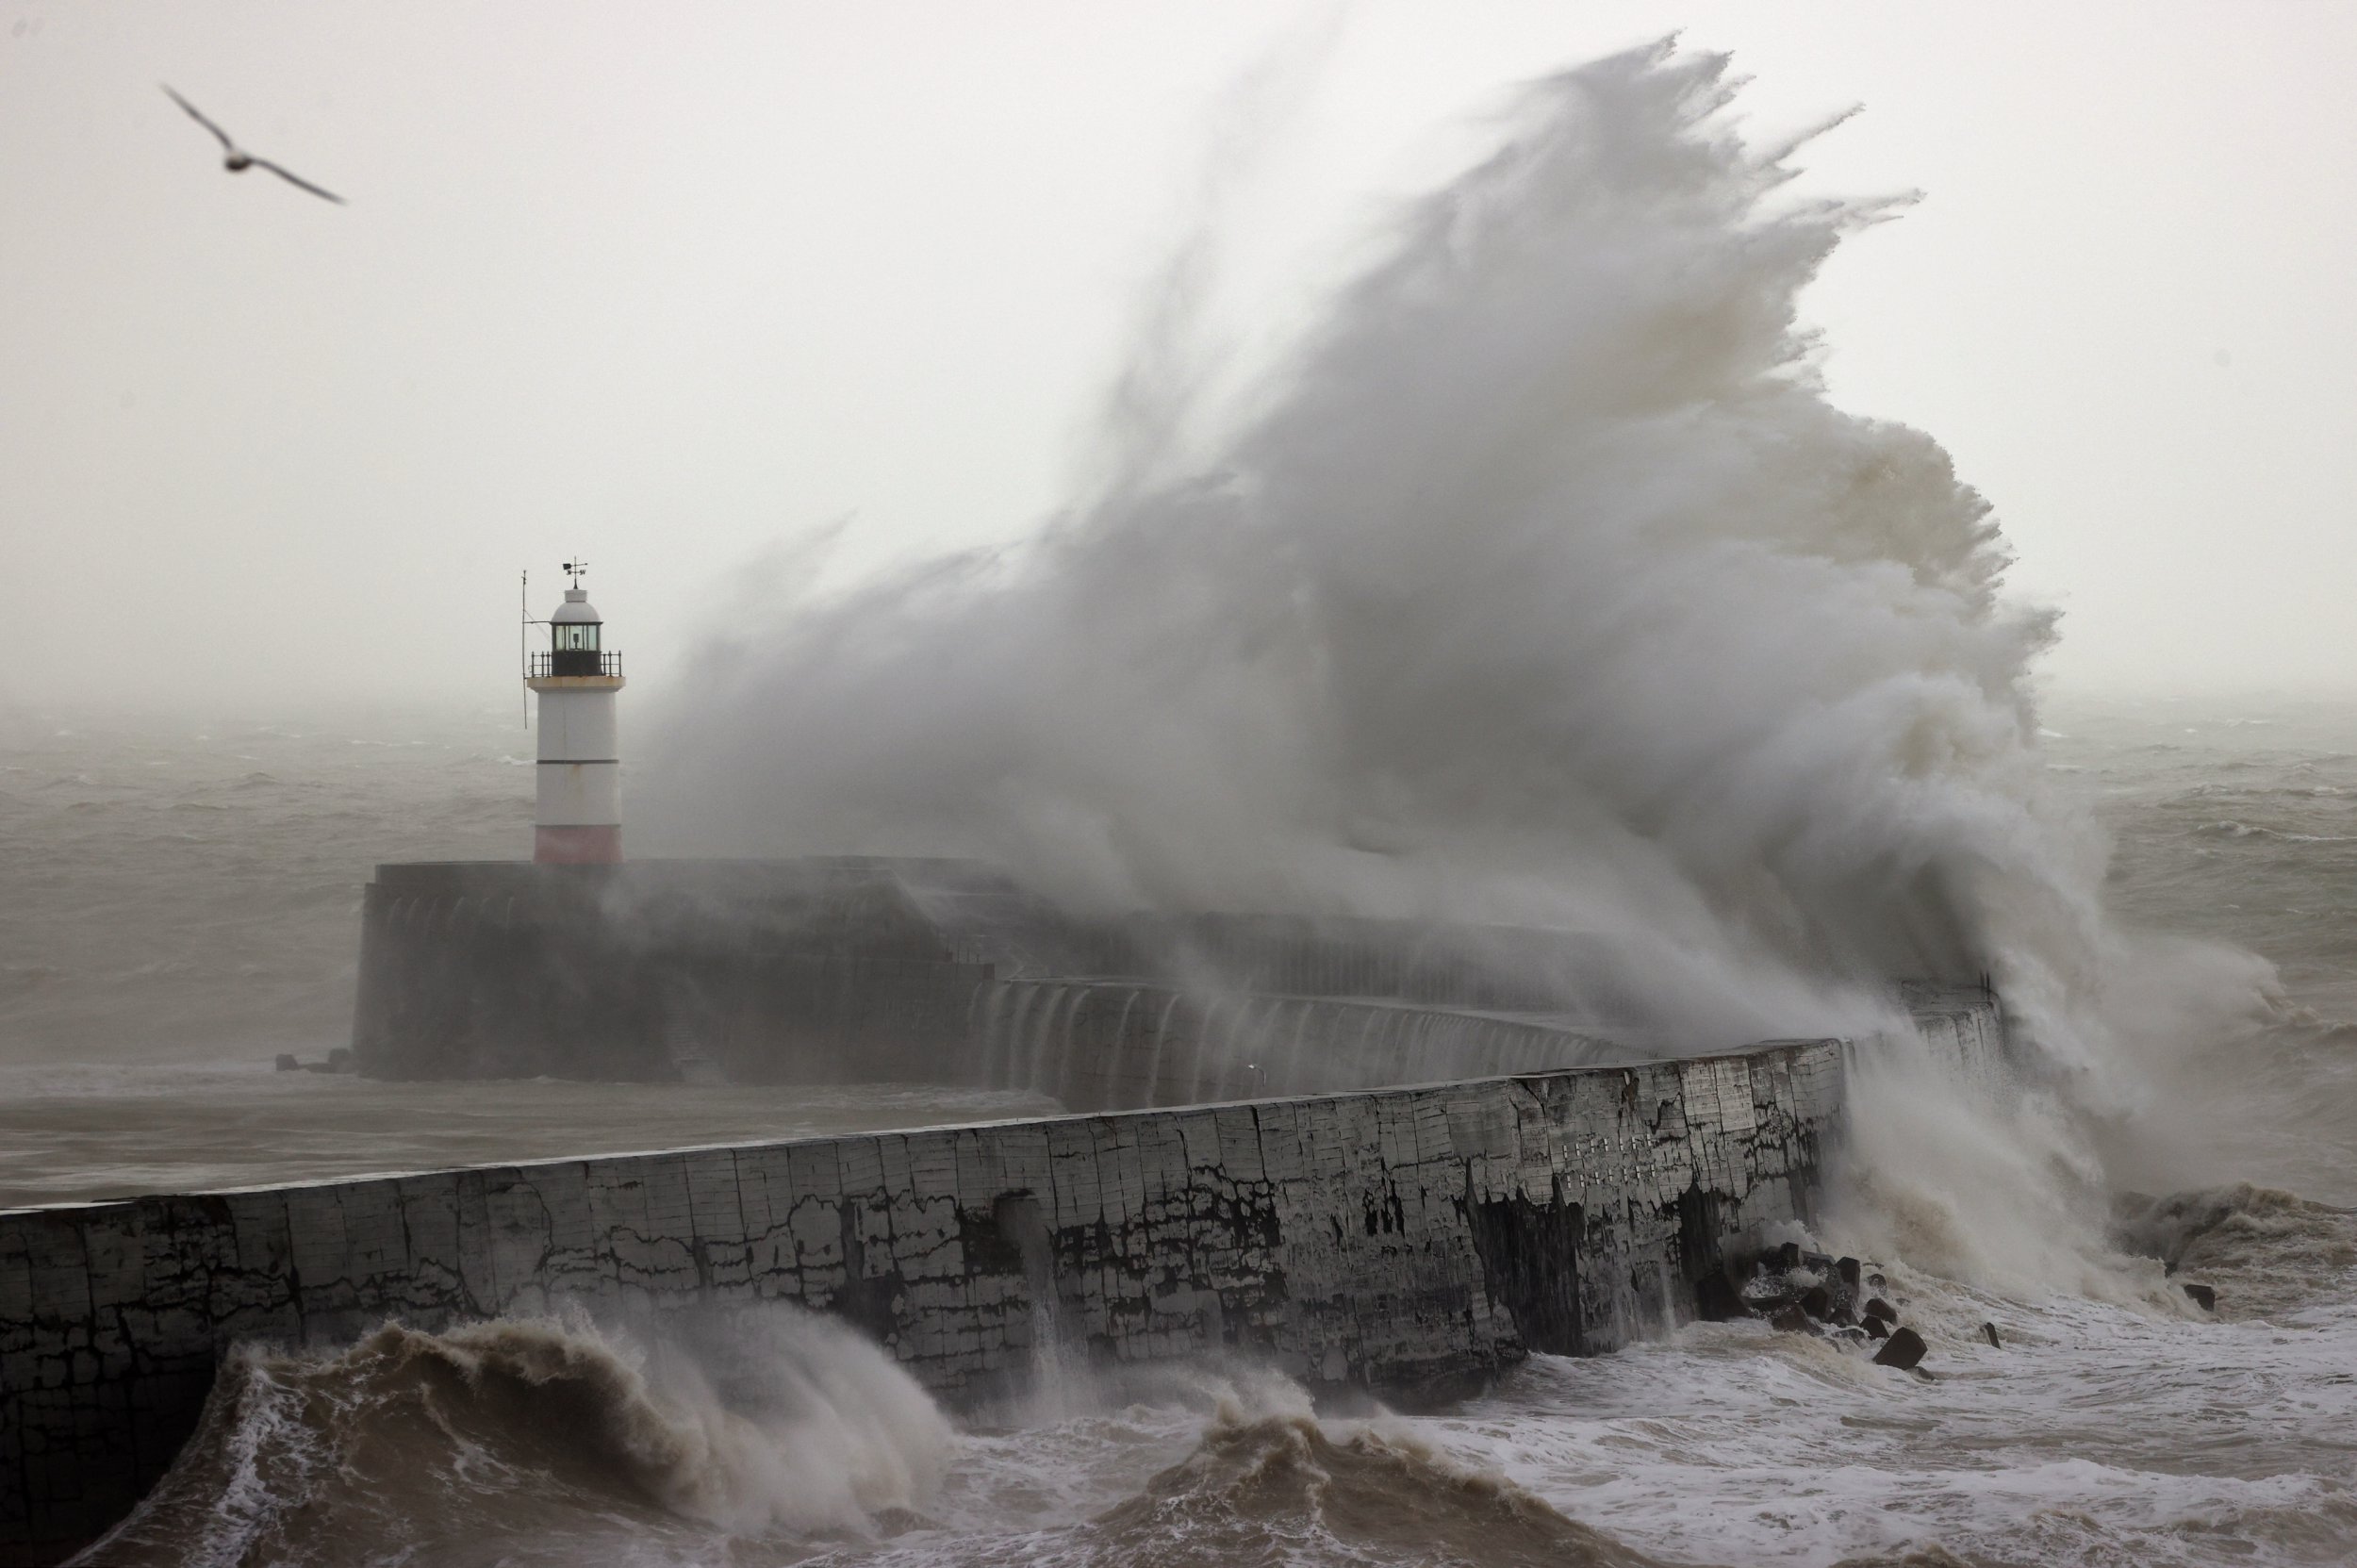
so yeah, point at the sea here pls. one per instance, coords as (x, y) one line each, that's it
(179, 904)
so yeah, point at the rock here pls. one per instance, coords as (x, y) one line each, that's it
(1848, 1334)
(1994, 1342)
(2203, 1297)
(1817, 1302)
(1876, 1282)
(287, 1063)
(1788, 1256)
(1877, 1307)
(1876, 1327)
(1716, 1301)
(1902, 1349)
(1848, 1268)
(1792, 1320)
(1922, 1374)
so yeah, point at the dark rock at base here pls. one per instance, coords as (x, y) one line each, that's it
(287, 1063)
(1876, 1282)
(1877, 1307)
(1716, 1301)
(1787, 1257)
(1817, 1302)
(2203, 1297)
(1902, 1349)
(1876, 1327)
(1792, 1320)
(1994, 1342)
(1848, 1268)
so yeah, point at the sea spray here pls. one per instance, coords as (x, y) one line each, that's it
(1540, 584)
(499, 1441)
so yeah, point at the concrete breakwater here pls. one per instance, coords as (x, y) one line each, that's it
(942, 971)
(1401, 1239)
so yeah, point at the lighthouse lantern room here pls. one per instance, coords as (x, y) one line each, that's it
(579, 820)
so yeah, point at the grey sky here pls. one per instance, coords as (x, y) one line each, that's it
(667, 285)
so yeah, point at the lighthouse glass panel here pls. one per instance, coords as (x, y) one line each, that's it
(575, 650)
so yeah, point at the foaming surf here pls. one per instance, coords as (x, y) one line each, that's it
(2094, 1433)
(1284, 1486)
(1226, 1465)
(776, 1437)
(545, 1440)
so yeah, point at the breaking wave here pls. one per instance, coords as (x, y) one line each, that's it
(1283, 1487)
(1539, 584)
(2267, 1251)
(774, 1438)
(767, 1440)
(528, 1440)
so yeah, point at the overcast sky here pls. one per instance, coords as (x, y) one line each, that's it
(671, 286)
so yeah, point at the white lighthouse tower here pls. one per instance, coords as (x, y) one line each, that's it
(579, 821)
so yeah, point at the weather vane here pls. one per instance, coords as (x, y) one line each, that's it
(575, 569)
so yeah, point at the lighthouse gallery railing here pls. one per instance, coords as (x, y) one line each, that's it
(573, 661)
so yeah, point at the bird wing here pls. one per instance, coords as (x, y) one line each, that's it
(297, 179)
(198, 115)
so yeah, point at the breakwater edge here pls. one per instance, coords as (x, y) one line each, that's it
(1403, 1241)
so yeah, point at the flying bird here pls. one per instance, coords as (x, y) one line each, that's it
(238, 160)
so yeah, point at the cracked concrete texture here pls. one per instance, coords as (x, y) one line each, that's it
(1396, 1239)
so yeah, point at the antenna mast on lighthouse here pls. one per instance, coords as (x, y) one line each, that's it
(579, 816)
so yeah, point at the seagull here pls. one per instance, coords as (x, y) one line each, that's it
(237, 160)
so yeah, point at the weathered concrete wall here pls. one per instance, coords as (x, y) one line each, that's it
(754, 971)
(1399, 1238)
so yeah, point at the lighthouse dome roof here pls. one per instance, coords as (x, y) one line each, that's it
(576, 608)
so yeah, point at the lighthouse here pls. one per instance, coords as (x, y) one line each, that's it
(579, 820)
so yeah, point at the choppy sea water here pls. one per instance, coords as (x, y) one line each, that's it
(180, 905)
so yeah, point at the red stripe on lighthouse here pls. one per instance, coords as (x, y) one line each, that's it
(595, 845)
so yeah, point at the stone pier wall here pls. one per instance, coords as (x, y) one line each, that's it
(1400, 1239)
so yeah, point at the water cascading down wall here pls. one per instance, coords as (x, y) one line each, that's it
(936, 972)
